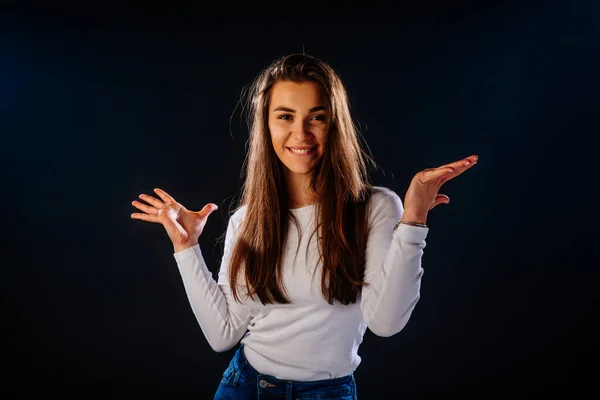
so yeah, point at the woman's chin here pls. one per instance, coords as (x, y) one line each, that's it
(299, 170)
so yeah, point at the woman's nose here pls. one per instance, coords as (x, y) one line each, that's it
(301, 129)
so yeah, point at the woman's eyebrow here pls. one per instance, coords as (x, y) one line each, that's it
(290, 110)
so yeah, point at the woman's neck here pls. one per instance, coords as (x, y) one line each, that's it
(299, 192)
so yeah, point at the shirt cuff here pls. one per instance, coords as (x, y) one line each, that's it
(188, 254)
(411, 234)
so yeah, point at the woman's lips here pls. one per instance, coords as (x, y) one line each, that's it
(302, 150)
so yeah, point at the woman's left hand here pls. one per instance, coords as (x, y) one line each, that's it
(422, 194)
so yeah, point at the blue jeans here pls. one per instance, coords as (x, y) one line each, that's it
(242, 382)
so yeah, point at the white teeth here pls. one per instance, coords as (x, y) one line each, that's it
(301, 151)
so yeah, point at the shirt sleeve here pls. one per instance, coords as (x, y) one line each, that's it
(222, 320)
(393, 267)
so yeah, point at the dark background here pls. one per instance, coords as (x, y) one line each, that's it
(98, 105)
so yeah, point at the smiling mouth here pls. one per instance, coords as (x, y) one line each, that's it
(303, 152)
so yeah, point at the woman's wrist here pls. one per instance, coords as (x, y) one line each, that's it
(410, 223)
(183, 246)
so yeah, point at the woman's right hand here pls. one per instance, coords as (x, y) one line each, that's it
(182, 225)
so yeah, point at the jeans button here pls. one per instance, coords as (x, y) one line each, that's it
(263, 384)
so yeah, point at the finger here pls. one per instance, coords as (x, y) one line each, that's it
(152, 200)
(146, 217)
(208, 209)
(164, 195)
(145, 208)
(430, 175)
(465, 162)
(439, 199)
(457, 168)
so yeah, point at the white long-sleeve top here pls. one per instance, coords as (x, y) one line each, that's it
(311, 339)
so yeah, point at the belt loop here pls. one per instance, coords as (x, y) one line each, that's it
(238, 367)
(235, 378)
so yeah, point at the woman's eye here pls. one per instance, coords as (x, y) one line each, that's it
(288, 117)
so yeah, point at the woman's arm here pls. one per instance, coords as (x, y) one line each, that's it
(222, 320)
(393, 267)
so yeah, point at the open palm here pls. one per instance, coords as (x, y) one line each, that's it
(182, 225)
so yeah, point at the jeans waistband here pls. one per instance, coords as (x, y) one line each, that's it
(252, 374)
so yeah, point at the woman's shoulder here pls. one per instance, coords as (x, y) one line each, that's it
(239, 212)
(384, 201)
(382, 194)
(236, 216)
(381, 197)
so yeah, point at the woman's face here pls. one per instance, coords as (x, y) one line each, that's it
(298, 123)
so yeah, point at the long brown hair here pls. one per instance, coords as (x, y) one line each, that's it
(340, 179)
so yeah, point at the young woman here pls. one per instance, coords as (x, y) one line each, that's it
(314, 254)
